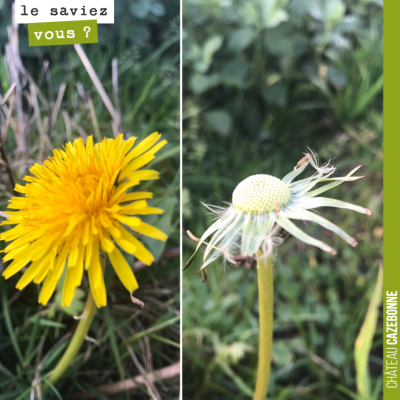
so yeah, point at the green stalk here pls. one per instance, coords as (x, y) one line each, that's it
(78, 337)
(76, 341)
(266, 319)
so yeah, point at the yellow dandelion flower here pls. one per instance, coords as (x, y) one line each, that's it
(77, 204)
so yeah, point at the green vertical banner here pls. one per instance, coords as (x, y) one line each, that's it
(391, 214)
(62, 32)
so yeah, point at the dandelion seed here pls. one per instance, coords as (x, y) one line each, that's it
(313, 158)
(262, 205)
(77, 204)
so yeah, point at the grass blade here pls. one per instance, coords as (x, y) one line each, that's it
(10, 328)
(113, 342)
(364, 340)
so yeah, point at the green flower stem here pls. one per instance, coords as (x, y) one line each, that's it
(266, 319)
(78, 337)
(76, 341)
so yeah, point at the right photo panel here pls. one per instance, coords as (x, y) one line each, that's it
(282, 199)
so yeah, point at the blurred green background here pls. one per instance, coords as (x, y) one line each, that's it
(262, 81)
(56, 100)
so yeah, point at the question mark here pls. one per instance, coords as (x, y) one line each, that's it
(87, 30)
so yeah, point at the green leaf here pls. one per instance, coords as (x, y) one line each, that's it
(273, 13)
(334, 10)
(158, 9)
(276, 94)
(53, 389)
(167, 153)
(200, 83)
(46, 322)
(240, 383)
(249, 13)
(9, 326)
(328, 10)
(113, 342)
(220, 121)
(241, 39)
(336, 77)
(282, 354)
(54, 354)
(211, 46)
(364, 340)
(336, 355)
(141, 8)
(235, 72)
(368, 96)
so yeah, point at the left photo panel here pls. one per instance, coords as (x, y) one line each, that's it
(90, 200)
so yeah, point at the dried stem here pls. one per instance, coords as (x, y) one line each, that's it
(3, 134)
(129, 384)
(117, 115)
(96, 81)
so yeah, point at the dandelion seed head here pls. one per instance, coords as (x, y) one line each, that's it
(260, 193)
(263, 205)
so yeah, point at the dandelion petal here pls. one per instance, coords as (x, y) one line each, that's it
(123, 270)
(285, 223)
(316, 202)
(310, 216)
